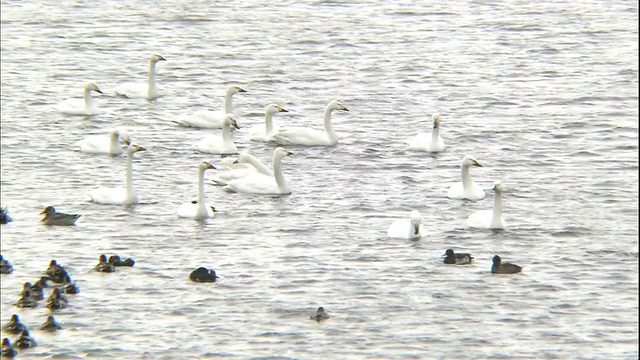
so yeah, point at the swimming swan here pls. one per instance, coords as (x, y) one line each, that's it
(146, 90)
(119, 196)
(490, 219)
(467, 188)
(215, 145)
(253, 165)
(101, 144)
(410, 228)
(207, 119)
(426, 142)
(84, 106)
(265, 134)
(263, 184)
(198, 210)
(311, 137)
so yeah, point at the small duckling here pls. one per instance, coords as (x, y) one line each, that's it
(319, 315)
(103, 265)
(51, 324)
(56, 300)
(499, 267)
(26, 301)
(69, 287)
(14, 326)
(5, 266)
(7, 350)
(4, 216)
(202, 274)
(55, 272)
(25, 341)
(51, 217)
(115, 260)
(457, 259)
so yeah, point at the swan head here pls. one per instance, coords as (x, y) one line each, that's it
(337, 105)
(274, 108)
(206, 166)
(231, 120)
(134, 148)
(49, 210)
(91, 86)
(469, 161)
(497, 186)
(235, 89)
(155, 58)
(436, 120)
(281, 152)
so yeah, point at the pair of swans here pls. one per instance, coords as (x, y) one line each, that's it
(198, 210)
(84, 106)
(206, 119)
(260, 134)
(120, 196)
(308, 136)
(261, 183)
(101, 144)
(147, 90)
(224, 145)
(409, 228)
(429, 143)
(245, 164)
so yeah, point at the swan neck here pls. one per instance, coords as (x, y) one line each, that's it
(268, 123)
(88, 99)
(201, 205)
(328, 127)
(226, 131)
(466, 177)
(129, 176)
(435, 133)
(259, 165)
(228, 106)
(497, 205)
(152, 79)
(277, 172)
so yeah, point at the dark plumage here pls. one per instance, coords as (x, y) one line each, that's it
(319, 315)
(202, 274)
(50, 324)
(14, 326)
(55, 272)
(69, 287)
(4, 216)
(458, 259)
(5, 266)
(26, 301)
(115, 260)
(51, 217)
(25, 341)
(103, 265)
(8, 351)
(499, 267)
(56, 300)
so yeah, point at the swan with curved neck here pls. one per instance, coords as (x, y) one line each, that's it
(101, 144)
(429, 143)
(84, 106)
(199, 209)
(264, 184)
(410, 228)
(265, 134)
(207, 119)
(490, 219)
(147, 90)
(225, 145)
(467, 188)
(253, 165)
(311, 137)
(119, 196)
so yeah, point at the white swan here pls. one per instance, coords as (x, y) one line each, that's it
(199, 209)
(84, 106)
(259, 183)
(490, 219)
(311, 137)
(207, 119)
(119, 196)
(101, 144)
(253, 165)
(426, 142)
(410, 228)
(215, 145)
(146, 90)
(265, 134)
(467, 188)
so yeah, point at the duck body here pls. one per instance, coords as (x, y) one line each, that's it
(5, 266)
(25, 341)
(14, 326)
(52, 217)
(103, 265)
(319, 315)
(499, 267)
(203, 274)
(115, 260)
(457, 258)
(8, 352)
(4, 216)
(25, 300)
(50, 324)
(56, 300)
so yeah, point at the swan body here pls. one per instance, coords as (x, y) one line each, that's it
(254, 165)
(311, 137)
(490, 219)
(119, 196)
(265, 134)
(207, 119)
(410, 228)
(215, 145)
(147, 90)
(259, 183)
(198, 210)
(429, 143)
(101, 144)
(84, 106)
(467, 188)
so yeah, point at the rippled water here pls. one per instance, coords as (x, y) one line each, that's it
(543, 94)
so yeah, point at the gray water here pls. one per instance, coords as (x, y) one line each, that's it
(543, 94)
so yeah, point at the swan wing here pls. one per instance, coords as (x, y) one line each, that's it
(98, 144)
(480, 219)
(203, 119)
(132, 90)
(110, 196)
(254, 184)
(420, 142)
(301, 136)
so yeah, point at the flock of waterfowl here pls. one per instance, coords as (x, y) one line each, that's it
(244, 174)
